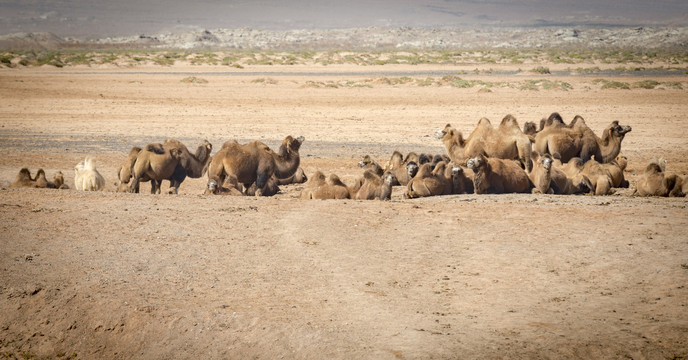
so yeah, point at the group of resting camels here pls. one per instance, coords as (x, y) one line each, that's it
(554, 158)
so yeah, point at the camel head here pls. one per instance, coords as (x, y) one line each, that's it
(622, 161)
(529, 128)
(58, 179)
(411, 169)
(441, 133)
(212, 187)
(389, 178)
(546, 161)
(617, 130)
(366, 161)
(456, 170)
(476, 163)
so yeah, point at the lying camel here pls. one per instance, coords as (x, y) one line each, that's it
(600, 178)
(87, 177)
(229, 187)
(430, 182)
(541, 174)
(656, 182)
(369, 164)
(24, 179)
(374, 187)
(397, 166)
(255, 162)
(497, 176)
(320, 188)
(299, 177)
(507, 141)
(578, 140)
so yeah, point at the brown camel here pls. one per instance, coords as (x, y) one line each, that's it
(541, 174)
(369, 164)
(497, 176)
(374, 187)
(255, 162)
(124, 171)
(173, 163)
(656, 182)
(430, 182)
(299, 177)
(229, 187)
(600, 178)
(320, 188)
(507, 141)
(24, 180)
(397, 166)
(578, 140)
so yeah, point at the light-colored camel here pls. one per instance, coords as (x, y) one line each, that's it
(656, 182)
(506, 141)
(87, 177)
(578, 140)
(320, 188)
(255, 162)
(497, 176)
(173, 163)
(374, 187)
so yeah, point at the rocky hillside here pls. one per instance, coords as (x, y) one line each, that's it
(373, 38)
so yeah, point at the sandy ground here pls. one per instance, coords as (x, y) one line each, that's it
(112, 275)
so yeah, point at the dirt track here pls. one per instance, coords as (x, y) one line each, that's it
(115, 275)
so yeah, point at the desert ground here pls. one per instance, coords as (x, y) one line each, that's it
(121, 275)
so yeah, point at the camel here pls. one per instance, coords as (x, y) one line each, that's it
(411, 169)
(497, 176)
(191, 165)
(369, 164)
(171, 161)
(320, 188)
(299, 177)
(374, 187)
(461, 182)
(229, 187)
(507, 141)
(255, 162)
(397, 166)
(599, 178)
(430, 182)
(58, 181)
(656, 182)
(578, 140)
(24, 179)
(124, 171)
(270, 188)
(541, 174)
(87, 177)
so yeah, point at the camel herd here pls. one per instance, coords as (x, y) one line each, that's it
(554, 158)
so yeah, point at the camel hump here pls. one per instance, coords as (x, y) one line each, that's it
(334, 180)
(155, 148)
(371, 176)
(509, 121)
(578, 122)
(554, 118)
(484, 122)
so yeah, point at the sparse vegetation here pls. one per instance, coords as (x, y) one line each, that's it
(541, 70)
(194, 80)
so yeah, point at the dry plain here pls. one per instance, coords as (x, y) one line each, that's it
(119, 275)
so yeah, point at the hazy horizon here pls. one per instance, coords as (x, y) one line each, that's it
(129, 17)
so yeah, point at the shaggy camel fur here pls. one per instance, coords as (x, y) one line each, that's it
(578, 140)
(168, 161)
(255, 162)
(497, 176)
(369, 164)
(507, 141)
(87, 177)
(320, 188)
(375, 188)
(656, 182)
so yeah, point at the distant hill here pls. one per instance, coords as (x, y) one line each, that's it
(372, 38)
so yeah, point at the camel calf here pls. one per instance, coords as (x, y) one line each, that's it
(87, 177)
(655, 182)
